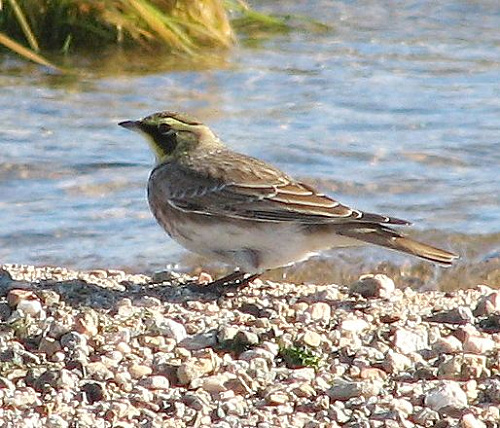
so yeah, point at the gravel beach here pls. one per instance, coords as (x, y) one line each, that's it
(107, 349)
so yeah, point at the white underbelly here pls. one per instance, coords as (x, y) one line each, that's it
(258, 247)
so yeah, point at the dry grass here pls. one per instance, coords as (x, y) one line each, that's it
(181, 26)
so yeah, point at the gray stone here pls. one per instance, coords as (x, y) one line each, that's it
(447, 398)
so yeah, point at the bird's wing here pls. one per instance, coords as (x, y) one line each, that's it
(251, 191)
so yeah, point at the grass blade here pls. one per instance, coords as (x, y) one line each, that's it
(23, 22)
(26, 53)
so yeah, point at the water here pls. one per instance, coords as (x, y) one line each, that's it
(397, 111)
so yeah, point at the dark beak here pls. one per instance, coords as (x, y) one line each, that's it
(130, 124)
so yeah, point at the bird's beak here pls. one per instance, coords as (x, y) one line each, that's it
(130, 124)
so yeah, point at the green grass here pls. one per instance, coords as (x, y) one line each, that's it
(182, 27)
(299, 356)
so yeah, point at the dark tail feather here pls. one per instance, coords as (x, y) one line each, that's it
(389, 238)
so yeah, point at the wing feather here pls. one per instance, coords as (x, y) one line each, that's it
(249, 190)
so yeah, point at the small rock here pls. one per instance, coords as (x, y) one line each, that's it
(30, 307)
(73, 340)
(459, 316)
(246, 338)
(23, 398)
(154, 342)
(272, 347)
(488, 305)
(123, 379)
(214, 384)
(277, 398)
(17, 295)
(320, 312)
(409, 341)
(401, 405)
(49, 346)
(236, 406)
(227, 333)
(354, 325)
(447, 398)
(470, 421)
(87, 322)
(478, 345)
(426, 417)
(57, 379)
(193, 369)
(56, 421)
(204, 278)
(451, 369)
(172, 329)
(304, 390)
(98, 371)
(311, 338)
(304, 374)
(447, 345)
(155, 382)
(124, 348)
(200, 341)
(94, 392)
(344, 390)
(492, 391)
(372, 373)
(373, 286)
(138, 371)
(338, 413)
(257, 353)
(394, 362)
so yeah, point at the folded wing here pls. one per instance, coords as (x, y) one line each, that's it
(256, 191)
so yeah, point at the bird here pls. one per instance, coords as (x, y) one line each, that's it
(245, 212)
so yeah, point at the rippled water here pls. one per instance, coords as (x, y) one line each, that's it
(396, 110)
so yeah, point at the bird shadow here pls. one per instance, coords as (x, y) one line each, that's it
(106, 293)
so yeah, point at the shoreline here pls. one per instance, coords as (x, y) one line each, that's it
(106, 347)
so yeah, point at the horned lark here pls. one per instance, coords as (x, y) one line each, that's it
(246, 213)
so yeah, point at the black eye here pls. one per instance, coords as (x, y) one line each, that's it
(163, 128)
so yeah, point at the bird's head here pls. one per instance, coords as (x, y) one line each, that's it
(173, 135)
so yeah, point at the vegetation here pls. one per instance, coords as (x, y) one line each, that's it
(182, 26)
(299, 356)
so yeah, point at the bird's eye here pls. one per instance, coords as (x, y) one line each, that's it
(163, 128)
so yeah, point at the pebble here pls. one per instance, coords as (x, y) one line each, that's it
(193, 369)
(49, 346)
(447, 397)
(460, 316)
(14, 297)
(408, 341)
(354, 325)
(373, 286)
(320, 312)
(478, 345)
(344, 390)
(138, 371)
(172, 329)
(277, 398)
(394, 362)
(470, 421)
(488, 304)
(155, 382)
(447, 345)
(167, 355)
(30, 307)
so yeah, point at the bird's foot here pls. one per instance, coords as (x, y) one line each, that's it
(229, 283)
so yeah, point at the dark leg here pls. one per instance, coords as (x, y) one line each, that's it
(231, 282)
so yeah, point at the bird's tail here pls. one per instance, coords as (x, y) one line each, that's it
(386, 237)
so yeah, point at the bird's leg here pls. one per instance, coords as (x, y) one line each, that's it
(231, 282)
